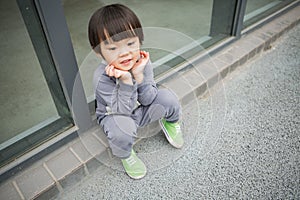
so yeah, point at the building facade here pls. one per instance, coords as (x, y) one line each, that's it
(47, 64)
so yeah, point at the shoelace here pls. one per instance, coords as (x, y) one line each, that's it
(130, 161)
(177, 127)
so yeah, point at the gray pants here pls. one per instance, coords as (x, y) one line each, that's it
(121, 130)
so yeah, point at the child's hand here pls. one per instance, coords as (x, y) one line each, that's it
(138, 69)
(124, 76)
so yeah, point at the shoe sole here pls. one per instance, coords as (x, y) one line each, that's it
(137, 177)
(168, 137)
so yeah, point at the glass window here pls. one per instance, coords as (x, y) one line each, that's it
(174, 31)
(26, 102)
(258, 9)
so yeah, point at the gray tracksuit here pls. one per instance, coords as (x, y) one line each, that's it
(121, 108)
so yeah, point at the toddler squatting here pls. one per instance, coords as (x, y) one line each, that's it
(124, 78)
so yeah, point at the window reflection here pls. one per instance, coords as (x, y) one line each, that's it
(258, 9)
(169, 26)
(25, 100)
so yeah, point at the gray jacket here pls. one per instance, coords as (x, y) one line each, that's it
(115, 97)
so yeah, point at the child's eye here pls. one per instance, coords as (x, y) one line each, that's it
(130, 43)
(112, 48)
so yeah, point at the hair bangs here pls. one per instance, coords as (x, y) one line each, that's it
(118, 30)
(120, 23)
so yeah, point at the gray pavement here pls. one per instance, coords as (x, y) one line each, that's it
(242, 140)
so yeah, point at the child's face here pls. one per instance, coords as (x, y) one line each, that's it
(122, 54)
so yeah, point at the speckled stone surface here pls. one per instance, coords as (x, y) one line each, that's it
(242, 140)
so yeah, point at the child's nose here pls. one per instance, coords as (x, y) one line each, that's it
(124, 51)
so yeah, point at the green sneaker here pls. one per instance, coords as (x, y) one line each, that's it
(172, 132)
(134, 167)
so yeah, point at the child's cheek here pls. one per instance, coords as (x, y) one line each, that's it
(115, 63)
(137, 56)
(113, 59)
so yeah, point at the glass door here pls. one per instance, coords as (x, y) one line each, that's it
(32, 104)
(259, 9)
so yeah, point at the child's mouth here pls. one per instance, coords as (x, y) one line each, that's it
(126, 62)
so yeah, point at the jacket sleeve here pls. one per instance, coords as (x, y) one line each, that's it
(119, 97)
(100, 109)
(147, 90)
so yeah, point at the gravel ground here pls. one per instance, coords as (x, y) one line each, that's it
(242, 140)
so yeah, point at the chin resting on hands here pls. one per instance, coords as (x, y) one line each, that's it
(124, 76)
(138, 69)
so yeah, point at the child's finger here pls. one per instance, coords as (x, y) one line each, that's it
(144, 54)
(109, 70)
(106, 69)
(117, 73)
(112, 71)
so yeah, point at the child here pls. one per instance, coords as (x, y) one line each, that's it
(122, 80)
